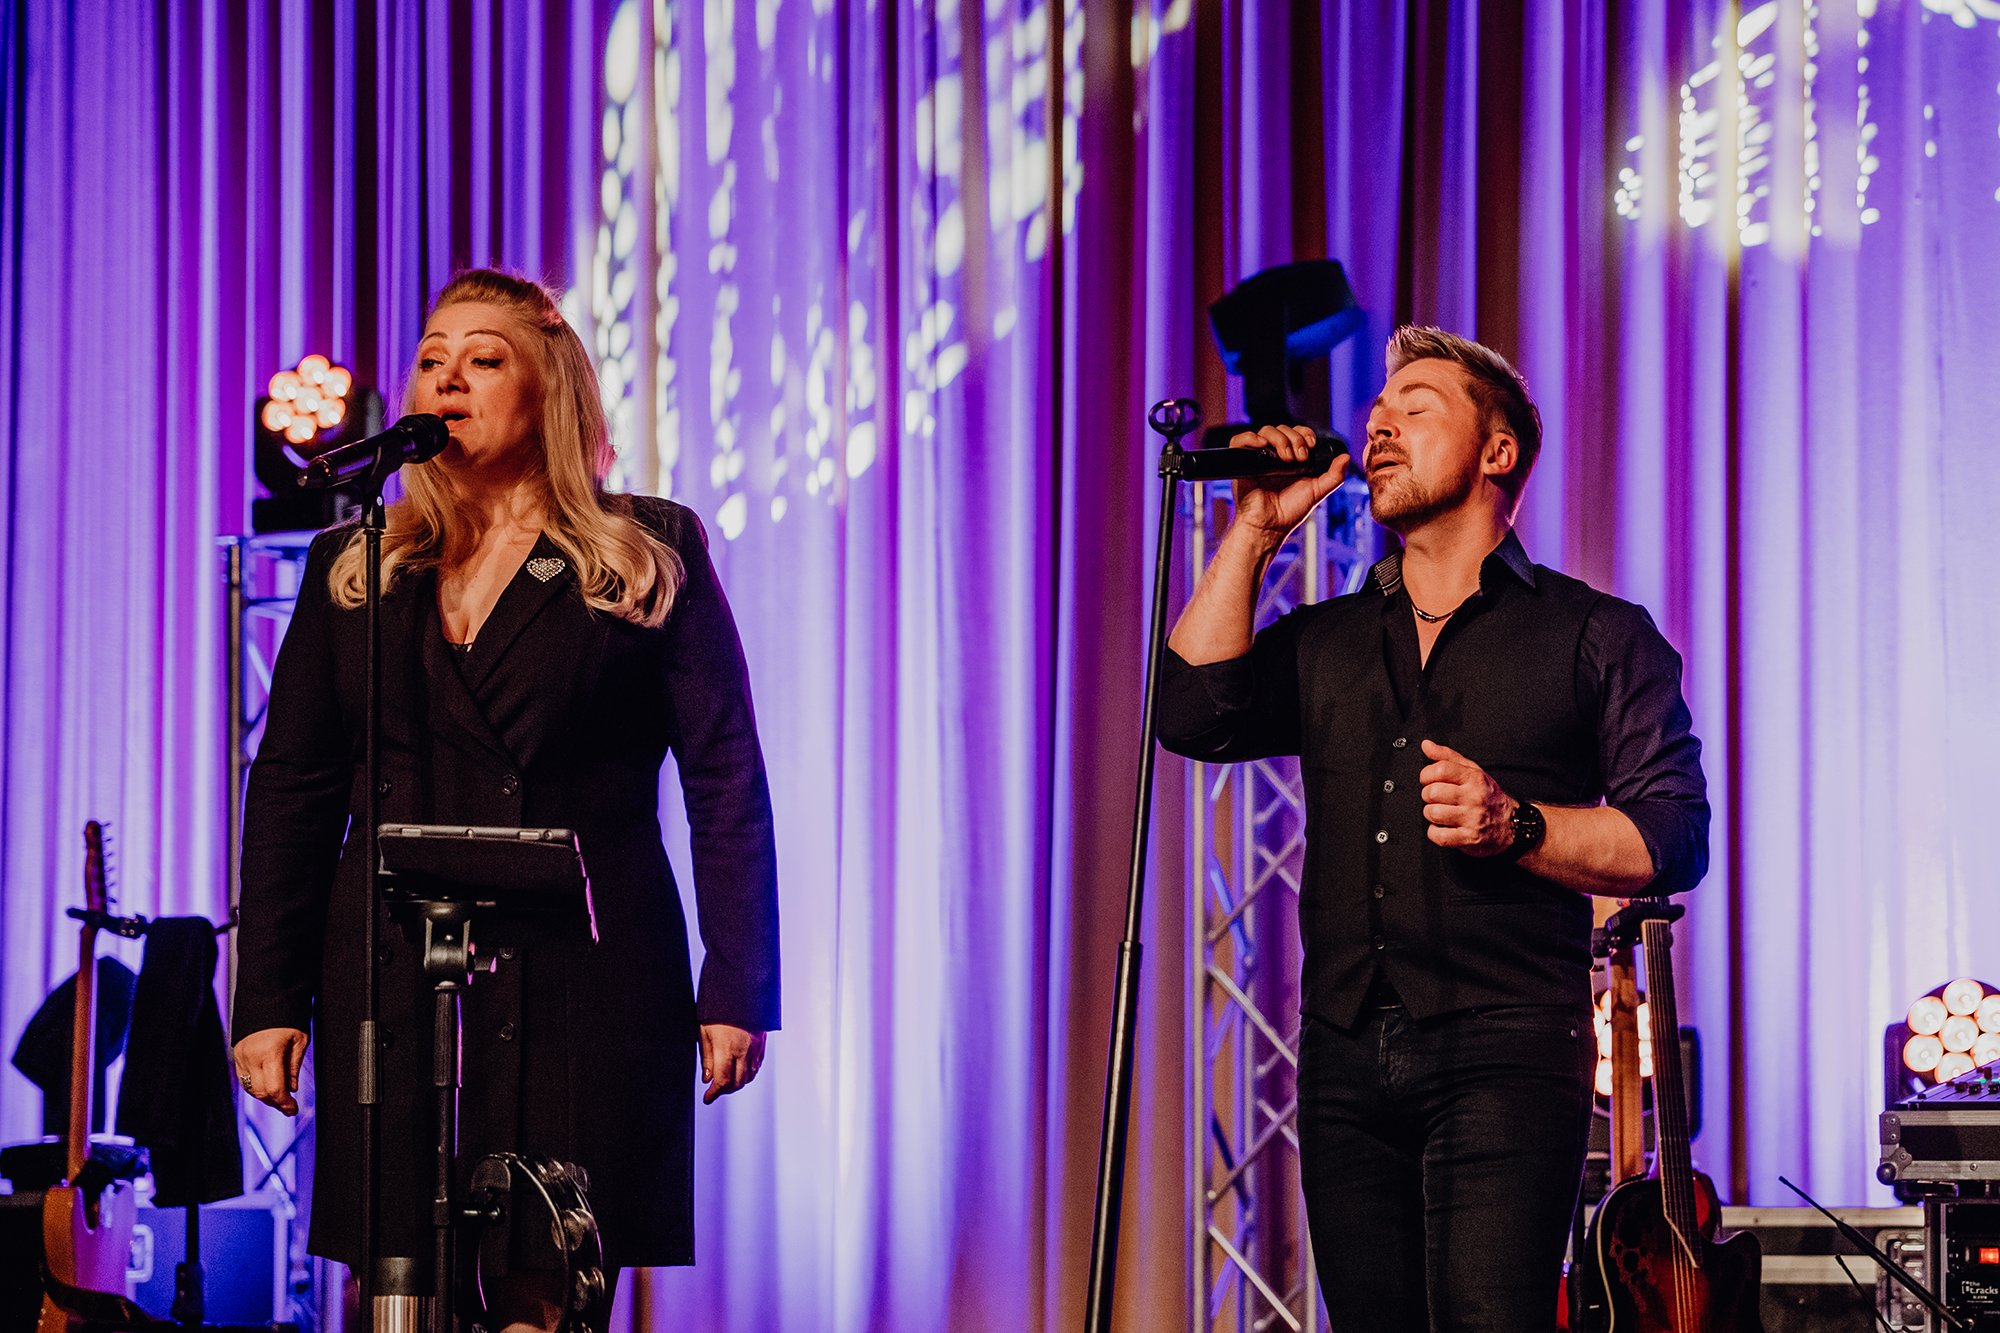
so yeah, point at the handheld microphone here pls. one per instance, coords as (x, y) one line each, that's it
(1228, 464)
(417, 438)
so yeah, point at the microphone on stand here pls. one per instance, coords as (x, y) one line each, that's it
(417, 438)
(1228, 464)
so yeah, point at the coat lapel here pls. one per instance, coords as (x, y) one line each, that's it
(544, 576)
(444, 678)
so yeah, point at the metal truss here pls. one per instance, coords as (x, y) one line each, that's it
(261, 577)
(1250, 1256)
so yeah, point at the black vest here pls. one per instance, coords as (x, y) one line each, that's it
(1449, 931)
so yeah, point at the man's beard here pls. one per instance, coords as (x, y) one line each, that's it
(1400, 502)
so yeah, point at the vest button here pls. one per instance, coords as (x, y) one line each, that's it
(1381, 943)
(1399, 742)
(1380, 891)
(509, 785)
(1388, 784)
(1382, 835)
(506, 1032)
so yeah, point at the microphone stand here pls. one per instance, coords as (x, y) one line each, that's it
(415, 439)
(1174, 419)
(374, 520)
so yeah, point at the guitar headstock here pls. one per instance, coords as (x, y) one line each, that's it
(96, 881)
(1622, 931)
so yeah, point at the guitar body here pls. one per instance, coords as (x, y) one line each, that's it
(88, 1243)
(1653, 1264)
(1633, 1253)
(87, 1230)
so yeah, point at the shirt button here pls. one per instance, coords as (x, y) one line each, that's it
(1381, 943)
(1382, 835)
(507, 954)
(1399, 742)
(1379, 890)
(1388, 784)
(383, 787)
(509, 785)
(506, 1032)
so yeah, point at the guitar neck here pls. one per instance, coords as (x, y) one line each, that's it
(83, 1021)
(1628, 1146)
(82, 1055)
(1674, 1164)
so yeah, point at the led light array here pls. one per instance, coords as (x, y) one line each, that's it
(308, 400)
(1953, 1029)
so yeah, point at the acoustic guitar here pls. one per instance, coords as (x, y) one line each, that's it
(86, 1228)
(1653, 1249)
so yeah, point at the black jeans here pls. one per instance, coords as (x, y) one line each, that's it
(1441, 1162)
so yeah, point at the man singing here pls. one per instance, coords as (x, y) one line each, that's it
(1483, 742)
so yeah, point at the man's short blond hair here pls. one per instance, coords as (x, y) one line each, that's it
(1497, 389)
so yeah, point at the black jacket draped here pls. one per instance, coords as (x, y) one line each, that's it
(557, 716)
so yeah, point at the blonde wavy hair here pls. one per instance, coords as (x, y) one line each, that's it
(621, 566)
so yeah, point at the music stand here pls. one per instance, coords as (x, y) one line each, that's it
(453, 876)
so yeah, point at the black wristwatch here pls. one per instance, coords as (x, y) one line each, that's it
(1529, 829)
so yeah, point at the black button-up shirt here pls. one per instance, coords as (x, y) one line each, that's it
(1565, 696)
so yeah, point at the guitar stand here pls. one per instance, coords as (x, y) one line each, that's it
(190, 1307)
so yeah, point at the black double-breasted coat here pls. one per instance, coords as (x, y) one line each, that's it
(557, 716)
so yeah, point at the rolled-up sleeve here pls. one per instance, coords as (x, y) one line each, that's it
(1648, 753)
(1242, 708)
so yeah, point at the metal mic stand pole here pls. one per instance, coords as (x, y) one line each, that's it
(393, 1299)
(373, 521)
(1174, 419)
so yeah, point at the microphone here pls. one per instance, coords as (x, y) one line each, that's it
(1227, 464)
(417, 438)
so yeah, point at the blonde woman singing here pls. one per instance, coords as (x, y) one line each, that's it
(544, 645)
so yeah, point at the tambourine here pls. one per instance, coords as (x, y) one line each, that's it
(512, 1195)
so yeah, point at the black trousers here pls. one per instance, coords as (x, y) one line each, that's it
(1441, 1162)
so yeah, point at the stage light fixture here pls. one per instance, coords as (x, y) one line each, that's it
(306, 410)
(1947, 1031)
(301, 403)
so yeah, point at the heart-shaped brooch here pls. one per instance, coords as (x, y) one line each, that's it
(545, 568)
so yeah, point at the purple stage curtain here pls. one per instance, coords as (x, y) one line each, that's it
(812, 243)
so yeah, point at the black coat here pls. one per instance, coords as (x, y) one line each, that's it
(558, 716)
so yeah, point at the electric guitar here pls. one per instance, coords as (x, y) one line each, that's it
(86, 1229)
(1653, 1249)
